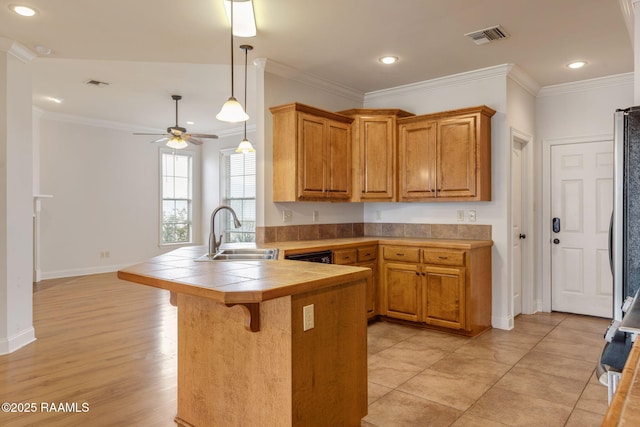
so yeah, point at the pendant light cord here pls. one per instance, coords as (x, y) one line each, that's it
(246, 50)
(232, 1)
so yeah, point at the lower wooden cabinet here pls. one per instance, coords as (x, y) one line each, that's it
(442, 288)
(365, 256)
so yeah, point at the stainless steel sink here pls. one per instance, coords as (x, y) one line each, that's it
(241, 254)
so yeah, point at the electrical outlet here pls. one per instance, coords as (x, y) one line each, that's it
(308, 317)
(287, 215)
(471, 214)
(316, 216)
(460, 215)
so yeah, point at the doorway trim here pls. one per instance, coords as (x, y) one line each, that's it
(527, 264)
(545, 244)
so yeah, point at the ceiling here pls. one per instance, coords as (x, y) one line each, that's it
(150, 49)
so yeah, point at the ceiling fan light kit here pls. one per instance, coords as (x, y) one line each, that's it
(177, 143)
(231, 110)
(177, 136)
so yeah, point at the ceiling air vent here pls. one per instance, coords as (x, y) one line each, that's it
(96, 83)
(488, 35)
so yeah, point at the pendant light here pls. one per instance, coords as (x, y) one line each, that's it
(232, 111)
(245, 146)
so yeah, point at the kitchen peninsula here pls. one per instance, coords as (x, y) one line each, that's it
(244, 356)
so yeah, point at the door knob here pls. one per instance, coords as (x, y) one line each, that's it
(556, 241)
(522, 236)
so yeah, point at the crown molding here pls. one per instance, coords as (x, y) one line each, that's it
(294, 74)
(523, 79)
(437, 83)
(88, 121)
(627, 8)
(127, 127)
(16, 49)
(584, 85)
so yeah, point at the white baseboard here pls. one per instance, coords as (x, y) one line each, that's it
(504, 322)
(11, 344)
(82, 271)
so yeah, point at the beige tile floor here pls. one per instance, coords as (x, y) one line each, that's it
(541, 373)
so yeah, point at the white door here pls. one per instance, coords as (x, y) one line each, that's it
(581, 200)
(516, 220)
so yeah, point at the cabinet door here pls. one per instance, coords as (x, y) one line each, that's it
(456, 153)
(443, 300)
(417, 160)
(311, 154)
(338, 161)
(377, 158)
(371, 287)
(402, 290)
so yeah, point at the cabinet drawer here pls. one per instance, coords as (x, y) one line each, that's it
(443, 257)
(344, 256)
(398, 253)
(367, 254)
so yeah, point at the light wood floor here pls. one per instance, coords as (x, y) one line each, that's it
(110, 343)
(113, 345)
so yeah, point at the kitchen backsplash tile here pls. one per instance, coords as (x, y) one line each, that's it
(331, 231)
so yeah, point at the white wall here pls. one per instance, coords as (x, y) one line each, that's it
(583, 110)
(280, 90)
(16, 198)
(482, 87)
(104, 183)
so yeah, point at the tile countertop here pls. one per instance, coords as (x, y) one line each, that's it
(255, 281)
(237, 282)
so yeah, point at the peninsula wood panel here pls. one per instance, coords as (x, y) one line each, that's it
(281, 375)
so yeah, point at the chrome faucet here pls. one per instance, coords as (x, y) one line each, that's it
(213, 243)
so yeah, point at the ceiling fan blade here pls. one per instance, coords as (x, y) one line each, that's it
(204, 135)
(136, 133)
(161, 139)
(194, 141)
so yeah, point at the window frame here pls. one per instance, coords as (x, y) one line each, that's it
(225, 216)
(195, 196)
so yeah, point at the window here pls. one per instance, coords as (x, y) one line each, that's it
(177, 197)
(239, 191)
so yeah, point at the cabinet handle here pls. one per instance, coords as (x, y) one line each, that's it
(399, 254)
(443, 257)
(347, 257)
(424, 274)
(417, 273)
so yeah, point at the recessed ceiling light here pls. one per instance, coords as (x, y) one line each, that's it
(577, 64)
(388, 59)
(191, 123)
(22, 10)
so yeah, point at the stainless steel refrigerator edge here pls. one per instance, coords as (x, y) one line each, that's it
(625, 233)
(615, 237)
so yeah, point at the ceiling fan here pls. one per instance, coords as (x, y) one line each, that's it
(176, 136)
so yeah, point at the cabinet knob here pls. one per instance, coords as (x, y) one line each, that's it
(417, 273)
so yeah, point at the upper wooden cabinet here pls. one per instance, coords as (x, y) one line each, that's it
(312, 151)
(374, 153)
(445, 156)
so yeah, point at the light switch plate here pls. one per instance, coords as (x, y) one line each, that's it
(460, 215)
(308, 317)
(287, 215)
(471, 214)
